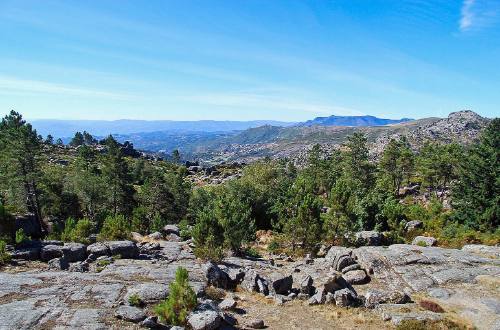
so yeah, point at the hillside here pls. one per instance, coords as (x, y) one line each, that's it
(292, 142)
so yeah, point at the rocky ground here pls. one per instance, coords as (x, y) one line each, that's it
(368, 287)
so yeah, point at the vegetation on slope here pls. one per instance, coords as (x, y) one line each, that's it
(103, 187)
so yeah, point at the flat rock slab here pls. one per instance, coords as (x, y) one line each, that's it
(41, 298)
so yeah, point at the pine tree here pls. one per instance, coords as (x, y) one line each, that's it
(20, 162)
(476, 195)
(118, 179)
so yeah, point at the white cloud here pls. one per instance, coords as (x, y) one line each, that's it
(478, 14)
(19, 86)
(467, 15)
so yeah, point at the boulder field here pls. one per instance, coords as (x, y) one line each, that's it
(116, 284)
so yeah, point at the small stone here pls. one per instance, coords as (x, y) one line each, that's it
(227, 304)
(80, 267)
(424, 241)
(256, 324)
(150, 322)
(412, 225)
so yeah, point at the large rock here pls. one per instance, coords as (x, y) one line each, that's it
(30, 225)
(130, 313)
(249, 283)
(155, 236)
(345, 297)
(375, 297)
(331, 283)
(126, 249)
(340, 257)
(279, 284)
(424, 241)
(216, 276)
(206, 316)
(368, 238)
(306, 285)
(98, 249)
(171, 229)
(50, 252)
(356, 277)
(484, 250)
(148, 292)
(58, 263)
(74, 252)
(31, 254)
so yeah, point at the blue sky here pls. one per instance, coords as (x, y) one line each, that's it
(240, 60)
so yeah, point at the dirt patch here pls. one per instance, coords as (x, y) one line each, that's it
(297, 315)
(10, 297)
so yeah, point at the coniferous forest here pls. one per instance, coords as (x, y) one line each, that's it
(105, 190)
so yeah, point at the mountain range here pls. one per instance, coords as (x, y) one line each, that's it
(67, 128)
(352, 121)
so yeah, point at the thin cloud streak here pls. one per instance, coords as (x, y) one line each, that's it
(467, 15)
(244, 100)
(16, 85)
(478, 14)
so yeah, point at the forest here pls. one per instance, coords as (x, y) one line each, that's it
(106, 191)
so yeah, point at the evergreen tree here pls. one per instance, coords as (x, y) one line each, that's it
(438, 165)
(476, 195)
(396, 165)
(77, 140)
(20, 163)
(49, 140)
(118, 180)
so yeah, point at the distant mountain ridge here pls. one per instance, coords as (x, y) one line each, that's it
(67, 128)
(352, 121)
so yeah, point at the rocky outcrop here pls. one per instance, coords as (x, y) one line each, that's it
(458, 280)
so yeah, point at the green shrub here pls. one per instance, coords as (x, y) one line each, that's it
(180, 302)
(115, 228)
(185, 229)
(77, 231)
(21, 237)
(134, 300)
(273, 246)
(69, 225)
(208, 236)
(4, 255)
(251, 252)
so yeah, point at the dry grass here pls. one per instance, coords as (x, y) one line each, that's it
(431, 306)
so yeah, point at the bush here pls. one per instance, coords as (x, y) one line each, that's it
(21, 237)
(180, 302)
(185, 229)
(115, 228)
(134, 300)
(208, 236)
(4, 255)
(77, 231)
